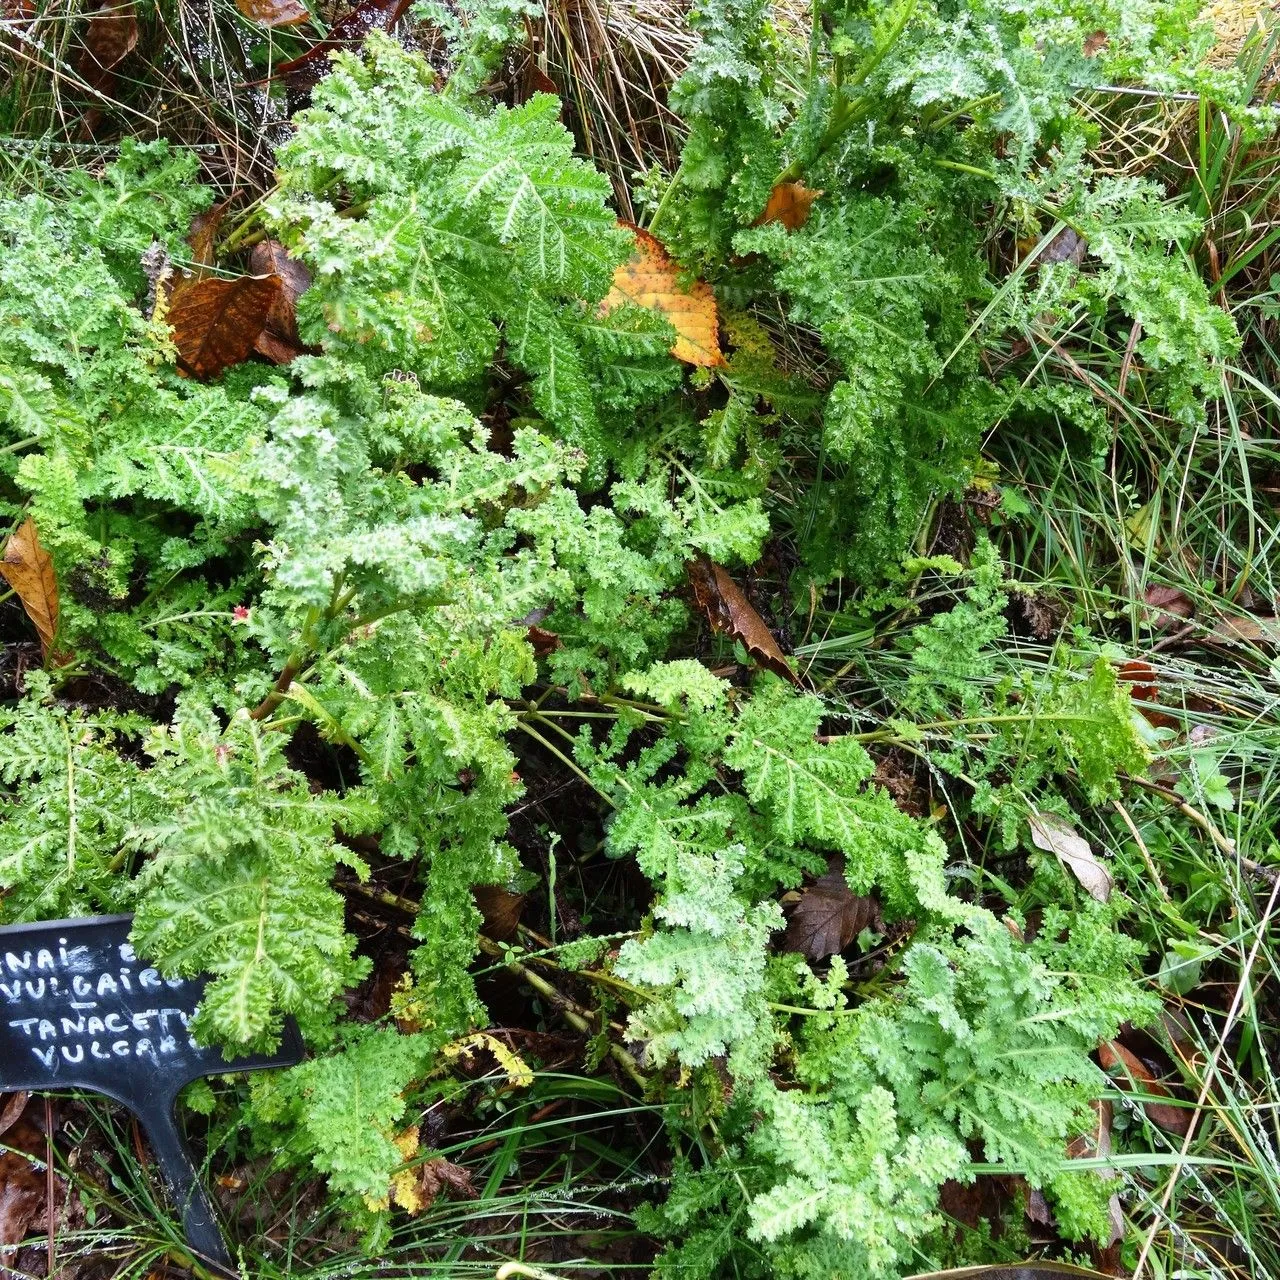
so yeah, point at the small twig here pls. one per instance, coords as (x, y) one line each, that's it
(1201, 820)
(1142, 848)
(574, 1014)
(1126, 365)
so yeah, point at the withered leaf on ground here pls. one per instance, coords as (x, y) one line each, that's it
(203, 232)
(110, 35)
(789, 203)
(650, 279)
(216, 321)
(279, 339)
(540, 82)
(1085, 1146)
(1133, 1072)
(274, 13)
(304, 73)
(829, 916)
(1054, 834)
(729, 611)
(23, 1187)
(1247, 629)
(14, 1105)
(1166, 607)
(500, 908)
(28, 569)
(439, 1174)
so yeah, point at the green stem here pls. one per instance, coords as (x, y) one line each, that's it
(845, 112)
(666, 196)
(524, 726)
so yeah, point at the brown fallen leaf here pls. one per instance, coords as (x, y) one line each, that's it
(279, 339)
(1247, 629)
(650, 279)
(28, 568)
(14, 1105)
(1056, 835)
(500, 908)
(829, 916)
(1166, 607)
(439, 1174)
(1135, 1073)
(215, 321)
(1097, 1142)
(110, 35)
(729, 611)
(544, 642)
(789, 203)
(1094, 43)
(274, 13)
(23, 1187)
(303, 73)
(204, 231)
(1066, 246)
(540, 82)
(18, 12)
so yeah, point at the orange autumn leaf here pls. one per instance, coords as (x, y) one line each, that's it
(789, 203)
(652, 280)
(28, 569)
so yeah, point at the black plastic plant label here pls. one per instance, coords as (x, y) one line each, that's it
(78, 1010)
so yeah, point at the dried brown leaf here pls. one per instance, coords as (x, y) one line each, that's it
(500, 908)
(729, 611)
(1247, 629)
(110, 35)
(829, 916)
(650, 279)
(22, 1181)
(1055, 835)
(1066, 246)
(439, 1174)
(216, 322)
(1134, 1072)
(1166, 607)
(544, 642)
(789, 203)
(540, 82)
(203, 232)
(28, 569)
(1095, 42)
(279, 339)
(15, 1104)
(274, 13)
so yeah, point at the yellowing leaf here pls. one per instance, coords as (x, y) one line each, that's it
(404, 1190)
(651, 280)
(513, 1065)
(789, 203)
(28, 569)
